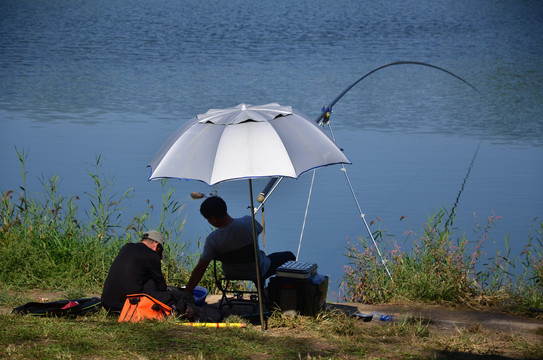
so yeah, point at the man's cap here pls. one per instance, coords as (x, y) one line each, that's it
(154, 235)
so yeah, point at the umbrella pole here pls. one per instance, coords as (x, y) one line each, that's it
(257, 263)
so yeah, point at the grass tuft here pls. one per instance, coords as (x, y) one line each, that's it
(440, 268)
(48, 242)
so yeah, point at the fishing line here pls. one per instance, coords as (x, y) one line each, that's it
(453, 209)
(324, 118)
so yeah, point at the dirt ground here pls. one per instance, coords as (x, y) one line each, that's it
(440, 320)
(446, 324)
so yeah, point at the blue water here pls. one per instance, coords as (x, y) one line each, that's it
(115, 78)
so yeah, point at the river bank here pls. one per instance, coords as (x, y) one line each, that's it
(417, 331)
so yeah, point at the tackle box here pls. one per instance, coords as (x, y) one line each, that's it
(297, 270)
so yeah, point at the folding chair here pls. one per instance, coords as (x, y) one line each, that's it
(231, 285)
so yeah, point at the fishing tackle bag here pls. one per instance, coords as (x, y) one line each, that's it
(60, 308)
(138, 307)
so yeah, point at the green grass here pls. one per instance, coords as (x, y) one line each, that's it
(330, 335)
(442, 268)
(49, 243)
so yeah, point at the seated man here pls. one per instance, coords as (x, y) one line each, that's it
(232, 234)
(137, 270)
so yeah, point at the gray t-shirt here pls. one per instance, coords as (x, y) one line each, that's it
(233, 237)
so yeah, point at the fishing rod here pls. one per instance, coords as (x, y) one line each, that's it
(327, 110)
(324, 118)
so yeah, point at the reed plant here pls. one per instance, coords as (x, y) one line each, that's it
(442, 266)
(53, 241)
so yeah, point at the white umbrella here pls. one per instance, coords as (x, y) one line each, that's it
(245, 142)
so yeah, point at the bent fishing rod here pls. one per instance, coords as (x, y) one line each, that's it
(327, 111)
(324, 118)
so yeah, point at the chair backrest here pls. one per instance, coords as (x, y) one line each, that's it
(243, 255)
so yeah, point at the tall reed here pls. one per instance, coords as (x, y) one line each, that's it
(444, 267)
(47, 243)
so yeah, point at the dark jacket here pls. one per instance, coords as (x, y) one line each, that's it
(135, 270)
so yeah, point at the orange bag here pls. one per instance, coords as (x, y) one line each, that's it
(139, 307)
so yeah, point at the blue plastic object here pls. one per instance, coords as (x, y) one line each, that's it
(382, 317)
(200, 294)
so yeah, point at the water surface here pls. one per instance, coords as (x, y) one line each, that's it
(116, 78)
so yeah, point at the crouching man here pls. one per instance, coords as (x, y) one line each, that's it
(137, 270)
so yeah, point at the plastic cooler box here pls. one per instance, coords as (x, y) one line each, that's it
(298, 288)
